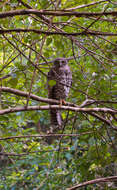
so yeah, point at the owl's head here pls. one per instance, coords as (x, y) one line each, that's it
(60, 62)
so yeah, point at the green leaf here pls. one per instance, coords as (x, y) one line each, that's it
(52, 82)
(48, 41)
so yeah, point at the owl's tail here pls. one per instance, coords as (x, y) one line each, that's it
(56, 118)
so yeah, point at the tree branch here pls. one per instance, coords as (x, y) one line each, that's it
(86, 5)
(58, 107)
(99, 180)
(32, 96)
(54, 13)
(48, 135)
(90, 32)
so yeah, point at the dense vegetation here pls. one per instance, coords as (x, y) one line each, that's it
(32, 34)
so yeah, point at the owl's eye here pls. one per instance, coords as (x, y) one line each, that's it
(56, 62)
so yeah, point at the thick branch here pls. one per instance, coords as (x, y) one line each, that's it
(54, 13)
(99, 180)
(32, 96)
(47, 107)
(86, 32)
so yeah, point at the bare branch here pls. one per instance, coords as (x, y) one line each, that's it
(32, 96)
(87, 32)
(99, 180)
(86, 5)
(54, 13)
(47, 107)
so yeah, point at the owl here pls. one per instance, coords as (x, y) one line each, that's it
(59, 83)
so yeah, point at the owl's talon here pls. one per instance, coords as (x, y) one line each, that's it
(62, 102)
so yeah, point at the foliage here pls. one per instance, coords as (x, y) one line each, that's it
(25, 59)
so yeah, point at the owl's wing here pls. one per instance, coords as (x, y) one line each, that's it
(50, 78)
(55, 115)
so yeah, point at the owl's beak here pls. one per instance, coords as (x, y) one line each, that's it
(60, 64)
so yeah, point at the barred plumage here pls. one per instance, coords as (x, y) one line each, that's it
(59, 83)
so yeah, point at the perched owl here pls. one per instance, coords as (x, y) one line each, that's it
(59, 83)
